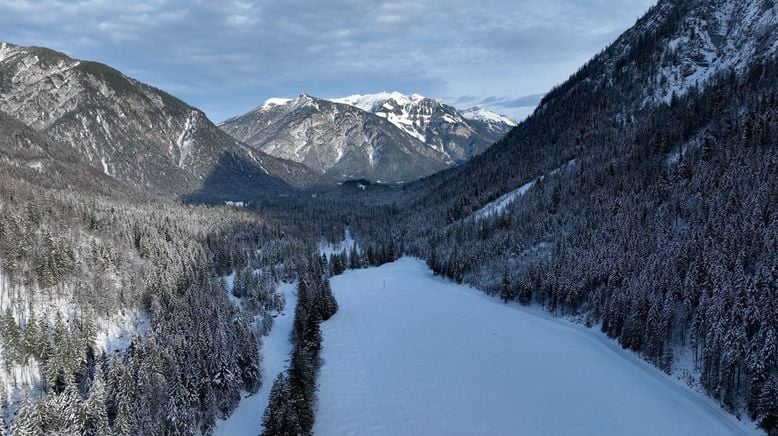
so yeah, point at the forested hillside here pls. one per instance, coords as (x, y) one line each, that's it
(124, 312)
(75, 263)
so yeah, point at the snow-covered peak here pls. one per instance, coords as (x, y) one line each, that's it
(439, 130)
(271, 102)
(374, 102)
(7, 50)
(292, 103)
(480, 113)
(431, 121)
(417, 97)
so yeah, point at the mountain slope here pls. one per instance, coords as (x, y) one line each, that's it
(610, 89)
(30, 156)
(459, 134)
(127, 129)
(335, 139)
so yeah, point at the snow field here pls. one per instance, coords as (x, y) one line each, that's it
(409, 353)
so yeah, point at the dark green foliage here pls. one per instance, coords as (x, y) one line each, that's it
(292, 406)
(160, 259)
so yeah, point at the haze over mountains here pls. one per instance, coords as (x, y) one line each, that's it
(387, 137)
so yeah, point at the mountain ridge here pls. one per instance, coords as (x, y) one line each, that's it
(131, 131)
(382, 137)
(335, 139)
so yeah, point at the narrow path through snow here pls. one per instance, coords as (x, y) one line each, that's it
(411, 354)
(246, 419)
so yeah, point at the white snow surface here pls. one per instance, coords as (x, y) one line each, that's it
(499, 205)
(270, 102)
(246, 419)
(368, 102)
(186, 138)
(409, 353)
(480, 113)
(115, 334)
(346, 244)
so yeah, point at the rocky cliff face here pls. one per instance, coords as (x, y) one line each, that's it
(680, 45)
(388, 137)
(336, 139)
(458, 134)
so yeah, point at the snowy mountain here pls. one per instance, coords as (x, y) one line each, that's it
(129, 130)
(386, 136)
(336, 139)
(681, 45)
(459, 134)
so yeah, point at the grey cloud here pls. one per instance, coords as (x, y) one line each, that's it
(531, 100)
(228, 56)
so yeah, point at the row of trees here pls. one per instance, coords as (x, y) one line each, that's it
(354, 258)
(292, 404)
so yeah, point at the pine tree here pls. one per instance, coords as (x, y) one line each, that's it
(276, 413)
(95, 406)
(505, 291)
(525, 290)
(556, 196)
(29, 420)
(432, 261)
(11, 337)
(121, 389)
(767, 405)
(30, 339)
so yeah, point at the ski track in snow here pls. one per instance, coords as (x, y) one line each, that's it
(499, 205)
(246, 419)
(409, 353)
(347, 244)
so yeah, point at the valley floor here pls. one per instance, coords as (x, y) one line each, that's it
(409, 353)
(246, 419)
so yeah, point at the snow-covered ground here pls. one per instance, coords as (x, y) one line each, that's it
(246, 419)
(409, 353)
(499, 205)
(347, 244)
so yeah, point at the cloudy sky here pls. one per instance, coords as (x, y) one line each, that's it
(227, 57)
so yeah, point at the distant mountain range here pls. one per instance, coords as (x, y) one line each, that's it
(101, 120)
(386, 137)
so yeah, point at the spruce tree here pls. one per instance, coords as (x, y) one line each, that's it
(505, 291)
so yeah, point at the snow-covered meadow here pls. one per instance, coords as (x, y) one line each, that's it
(409, 353)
